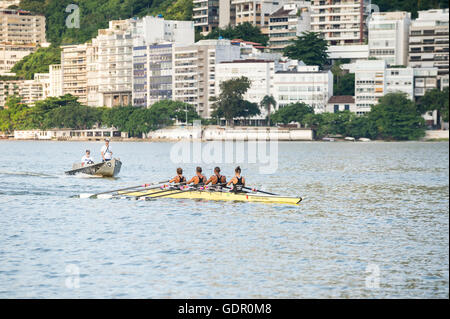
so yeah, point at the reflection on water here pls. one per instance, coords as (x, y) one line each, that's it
(366, 206)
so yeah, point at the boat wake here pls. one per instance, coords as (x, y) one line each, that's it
(31, 174)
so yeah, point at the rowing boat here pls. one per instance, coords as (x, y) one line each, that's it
(106, 169)
(210, 194)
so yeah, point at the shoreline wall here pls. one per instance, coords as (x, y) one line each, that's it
(231, 134)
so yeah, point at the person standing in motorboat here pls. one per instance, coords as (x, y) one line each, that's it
(106, 152)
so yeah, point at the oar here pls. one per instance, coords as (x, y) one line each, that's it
(169, 194)
(162, 191)
(152, 186)
(120, 189)
(257, 190)
(252, 189)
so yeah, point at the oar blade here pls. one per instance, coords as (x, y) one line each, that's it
(105, 196)
(86, 195)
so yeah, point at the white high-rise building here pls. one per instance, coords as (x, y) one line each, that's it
(428, 42)
(288, 22)
(212, 14)
(21, 27)
(10, 54)
(150, 30)
(340, 21)
(389, 36)
(305, 84)
(74, 70)
(196, 69)
(373, 79)
(109, 65)
(259, 72)
(56, 80)
(256, 12)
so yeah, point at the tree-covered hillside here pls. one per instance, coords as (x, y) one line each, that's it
(410, 5)
(95, 14)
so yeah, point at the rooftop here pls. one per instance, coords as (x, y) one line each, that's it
(342, 99)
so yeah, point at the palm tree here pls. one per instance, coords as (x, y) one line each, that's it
(267, 102)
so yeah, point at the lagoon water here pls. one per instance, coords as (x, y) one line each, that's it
(374, 223)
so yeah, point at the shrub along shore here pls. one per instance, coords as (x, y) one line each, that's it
(395, 117)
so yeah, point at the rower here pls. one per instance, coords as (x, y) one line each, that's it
(179, 179)
(106, 152)
(87, 159)
(217, 179)
(238, 181)
(199, 178)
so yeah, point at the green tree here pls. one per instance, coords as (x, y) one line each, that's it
(267, 102)
(245, 31)
(361, 126)
(435, 100)
(345, 85)
(230, 101)
(309, 48)
(5, 121)
(396, 117)
(294, 112)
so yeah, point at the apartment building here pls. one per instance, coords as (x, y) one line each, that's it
(340, 22)
(21, 27)
(44, 80)
(74, 70)
(305, 84)
(425, 79)
(259, 72)
(256, 12)
(195, 71)
(10, 54)
(8, 88)
(109, 65)
(152, 73)
(211, 14)
(400, 80)
(288, 22)
(369, 84)
(389, 36)
(428, 42)
(56, 80)
(150, 30)
(373, 79)
(31, 91)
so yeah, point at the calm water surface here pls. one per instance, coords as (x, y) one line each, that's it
(368, 209)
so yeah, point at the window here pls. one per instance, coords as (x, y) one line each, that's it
(336, 108)
(347, 107)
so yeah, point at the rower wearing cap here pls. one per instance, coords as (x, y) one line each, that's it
(106, 152)
(217, 179)
(179, 179)
(238, 181)
(199, 178)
